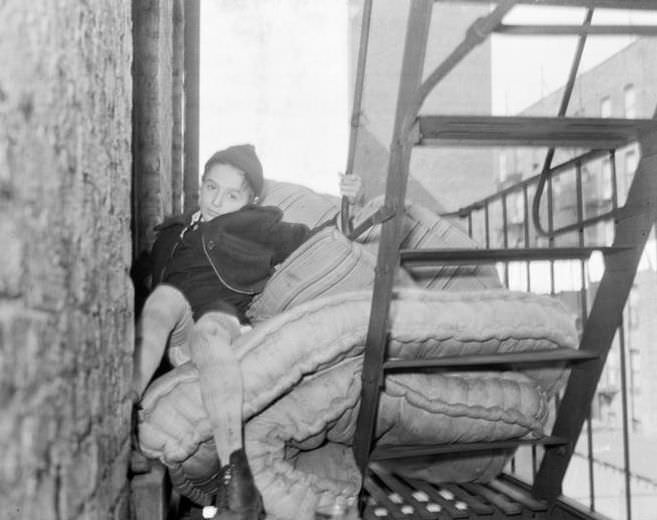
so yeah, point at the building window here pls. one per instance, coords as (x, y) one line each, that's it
(605, 107)
(630, 101)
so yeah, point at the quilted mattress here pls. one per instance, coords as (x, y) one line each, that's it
(301, 382)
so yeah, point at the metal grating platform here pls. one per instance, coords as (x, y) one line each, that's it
(391, 496)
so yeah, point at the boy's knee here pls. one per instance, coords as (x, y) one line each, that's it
(168, 292)
(166, 299)
(219, 324)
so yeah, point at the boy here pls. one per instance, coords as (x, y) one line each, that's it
(214, 261)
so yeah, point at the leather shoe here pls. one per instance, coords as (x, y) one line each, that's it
(237, 497)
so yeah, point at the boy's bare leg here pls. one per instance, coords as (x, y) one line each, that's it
(222, 391)
(166, 313)
(220, 377)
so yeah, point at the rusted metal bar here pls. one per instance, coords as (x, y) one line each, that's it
(178, 64)
(505, 238)
(388, 254)
(491, 360)
(192, 62)
(626, 423)
(357, 105)
(487, 256)
(563, 108)
(583, 312)
(525, 209)
(476, 34)
(486, 227)
(614, 180)
(565, 132)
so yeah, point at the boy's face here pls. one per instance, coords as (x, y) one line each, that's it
(223, 190)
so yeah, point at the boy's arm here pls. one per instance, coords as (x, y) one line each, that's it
(351, 186)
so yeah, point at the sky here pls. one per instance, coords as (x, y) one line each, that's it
(274, 73)
(526, 68)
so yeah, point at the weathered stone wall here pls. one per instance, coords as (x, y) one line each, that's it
(66, 301)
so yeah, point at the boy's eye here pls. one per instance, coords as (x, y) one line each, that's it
(233, 196)
(210, 186)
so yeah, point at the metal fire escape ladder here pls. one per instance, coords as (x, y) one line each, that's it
(633, 225)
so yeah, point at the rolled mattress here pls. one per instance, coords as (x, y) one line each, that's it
(301, 373)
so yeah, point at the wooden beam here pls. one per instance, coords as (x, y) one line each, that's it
(566, 132)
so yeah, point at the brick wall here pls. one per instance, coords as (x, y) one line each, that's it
(66, 301)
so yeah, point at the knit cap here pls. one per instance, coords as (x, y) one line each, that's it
(244, 158)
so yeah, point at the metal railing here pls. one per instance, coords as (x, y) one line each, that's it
(584, 194)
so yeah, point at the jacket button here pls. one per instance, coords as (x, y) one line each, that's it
(211, 245)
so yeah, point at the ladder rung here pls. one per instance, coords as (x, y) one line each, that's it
(606, 4)
(568, 132)
(486, 360)
(385, 452)
(487, 256)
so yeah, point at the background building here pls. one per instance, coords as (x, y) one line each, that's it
(453, 177)
(621, 86)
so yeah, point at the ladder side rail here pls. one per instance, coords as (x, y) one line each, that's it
(388, 254)
(632, 229)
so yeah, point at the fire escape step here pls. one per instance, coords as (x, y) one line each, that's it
(487, 256)
(495, 359)
(385, 452)
(567, 132)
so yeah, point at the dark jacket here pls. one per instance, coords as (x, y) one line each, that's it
(241, 248)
